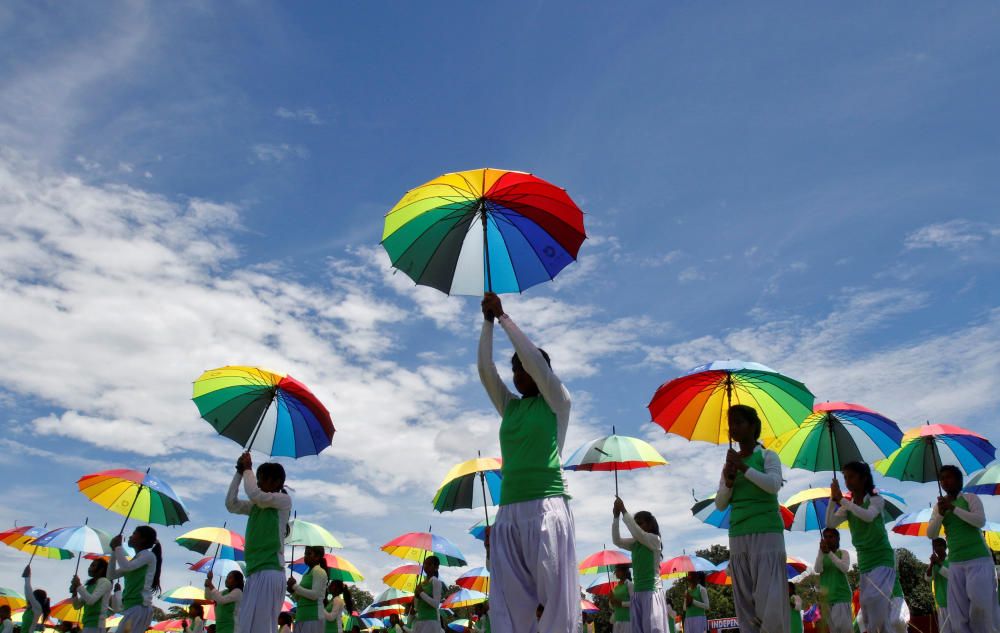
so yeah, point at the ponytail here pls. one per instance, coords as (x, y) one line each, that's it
(348, 600)
(158, 553)
(44, 602)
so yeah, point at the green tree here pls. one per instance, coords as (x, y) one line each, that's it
(362, 599)
(916, 587)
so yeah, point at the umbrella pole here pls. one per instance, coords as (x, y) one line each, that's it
(616, 466)
(131, 507)
(729, 404)
(937, 464)
(218, 547)
(34, 550)
(486, 250)
(486, 510)
(833, 446)
(79, 554)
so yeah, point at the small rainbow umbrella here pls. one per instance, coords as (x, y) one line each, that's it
(985, 482)
(64, 611)
(604, 561)
(263, 410)
(202, 539)
(705, 511)
(403, 577)
(169, 625)
(81, 539)
(459, 625)
(134, 494)
(393, 596)
(419, 545)
(187, 594)
(793, 567)
(680, 566)
(477, 579)
(601, 586)
(464, 598)
(377, 610)
(478, 531)
(695, 406)
(809, 508)
(21, 539)
(220, 567)
(837, 433)
(588, 607)
(338, 568)
(483, 230)
(112, 622)
(613, 453)
(926, 448)
(471, 484)
(12, 599)
(913, 523)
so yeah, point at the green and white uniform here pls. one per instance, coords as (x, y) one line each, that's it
(332, 615)
(33, 612)
(137, 591)
(428, 606)
(309, 593)
(835, 589)
(620, 613)
(227, 608)
(795, 614)
(648, 606)
(93, 597)
(938, 575)
(696, 613)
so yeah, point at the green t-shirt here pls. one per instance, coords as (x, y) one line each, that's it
(529, 446)
(264, 542)
(795, 617)
(753, 510)
(965, 542)
(620, 592)
(834, 586)
(940, 584)
(692, 611)
(92, 613)
(307, 610)
(27, 620)
(644, 570)
(871, 541)
(897, 589)
(425, 611)
(135, 583)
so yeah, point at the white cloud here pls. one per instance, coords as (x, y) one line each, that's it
(690, 274)
(952, 235)
(278, 152)
(305, 115)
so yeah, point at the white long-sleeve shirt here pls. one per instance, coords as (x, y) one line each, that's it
(835, 515)
(702, 601)
(974, 516)
(33, 604)
(639, 535)
(769, 480)
(7, 626)
(216, 596)
(334, 612)
(280, 501)
(842, 562)
(318, 589)
(120, 565)
(549, 385)
(436, 594)
(101, 593)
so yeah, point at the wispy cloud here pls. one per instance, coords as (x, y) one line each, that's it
(304, 115)
(952, 235)
(278, 152)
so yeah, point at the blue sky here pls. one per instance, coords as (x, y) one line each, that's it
(188, 185)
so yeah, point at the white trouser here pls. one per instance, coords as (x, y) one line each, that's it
(262, 599)
(944, 622)
(533, 562)
(875, 597)
(648, 612)
(696, 624)
(839, 618)
(621, 627)
(899, 615)
(972, 596)
(310, 626)
(427, 626)
(136, 619)
(760, 582)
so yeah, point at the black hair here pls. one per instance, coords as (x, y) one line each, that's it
(5, 608)
(628, 571)
(197, 610)
(102, 572)
(791, 588)
(345, 592)
(514, 360)
(285, 617)
(148, 535)
(749, 414)
(272, 470)
(240, 580)
(833, 531)
(645, 515)
(314, 549)
(865, 472)
(701, 577)
(435, 559)
(955, 470)
(43, 600)
(939, 541)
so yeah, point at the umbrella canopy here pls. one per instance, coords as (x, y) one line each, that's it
(306, 533)
(459, 625)
(926, 448)
(338, 568)
(64, 611)
(483, 230)
(916, 523)
(403, 577)
(680, 566)
(464, 598)
(604, 561)
(588, 607)
(22, 539)
(263, 410)
(793, 567)
(705, 511)
(383, 610)
(986, 481)
(471, 484)
(168, 625)
(81, 539)
(393, 596)
(13, 599)
(187, 594)
(837, 433)
(220, 567)
(601, 586)
(695, 405)
(478, 531)
(134, 494)
(614, 453)
(808, 508)
(202, 539)
(419, 545)
(476, 579)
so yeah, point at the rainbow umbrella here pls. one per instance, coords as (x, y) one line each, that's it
(310, 534)
(459, 625)
(695, 405)
(168, 625)
(377, 610)
(371, 623)
(134, 494)
(614, 453)
(263, 410)
(705, 511)
(604, 561)
(680, 566)
(81, 539)
(202, 539)
(484, 230)
(112, 622)
(793, 567)
(601, 586)
(478, 531)
(185, 595)
(403, 577)
(12, 599)
(64, 611)
(471, 484)
(913, 523)
(338, 568)
(985, 482)
(477, 579)
(837, 433)
(808, 508)
(392, 596)
(926, 448)
(220, 567)
(464, 598)
(588, 607)
(21, 539)
(419, 545)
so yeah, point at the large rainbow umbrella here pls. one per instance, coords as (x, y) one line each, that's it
(187, 594)
(338, 568)
(705, 511)
(837, 433)
(419, 545)
(926, 448)
(134, 494)
(809, 508)
(64, 611)
(681, 565)
(613, 453)
(483, 230)
(464, 598)
(393, 596)
(695, 405)
(12, 599)
(985, 482)
(263, 410)
(81, 539)
(22, 538)
(220, 567)
(471, 484)
(403, 577)
(604, 561)
(477, 579)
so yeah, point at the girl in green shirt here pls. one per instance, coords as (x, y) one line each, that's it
(621, 599)
(696, 604)
(141, 575)
(310, 591)
(648, 606)
(227, 602)
(38, 607)
(937, 573)
(795, 609)
(93, 597)
(832, 565)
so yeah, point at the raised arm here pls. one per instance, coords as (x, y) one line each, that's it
(116, 600)
(650, 540)
(495, 387)
(216, 596)
(835, 514)
(257, 497)
(770, 479)
(233, 503)
(29, 595)
(842, 562)
(875, 506)
(616, 537)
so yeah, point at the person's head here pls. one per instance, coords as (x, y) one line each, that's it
(196, 611)
(523, 381)
(284, 618)
(235, 580)
(43, 599)
(940, 547)
(98, 568)
(858, 479)
(144, 537)
(622, 572)
(271, 477)
(431, 566)
(831, 536)
(483, 608)
(791, 588)
(315, 555)
(951, 479)
(692, 578)
(647, 522)
(5, 612)
(744, 423)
